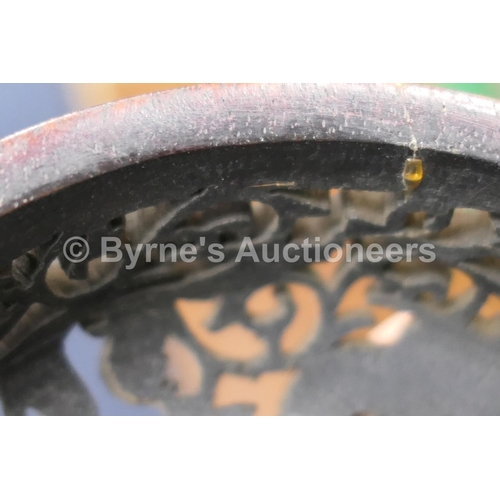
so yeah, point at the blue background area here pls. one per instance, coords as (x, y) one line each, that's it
(25, 104)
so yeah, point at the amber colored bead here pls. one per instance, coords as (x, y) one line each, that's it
(413, 172)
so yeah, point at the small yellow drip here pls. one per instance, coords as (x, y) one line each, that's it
(413, 172)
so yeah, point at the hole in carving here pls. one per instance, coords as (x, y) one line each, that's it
(183, 367)
(415, 220)
(233, 342)
(469, 226)
(264, 305)
(266, 393)
(116, 223)
(310, 227)
(98, 274)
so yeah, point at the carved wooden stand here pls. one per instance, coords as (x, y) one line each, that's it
(278, 163)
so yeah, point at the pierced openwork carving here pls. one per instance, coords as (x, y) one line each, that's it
(212, 337)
